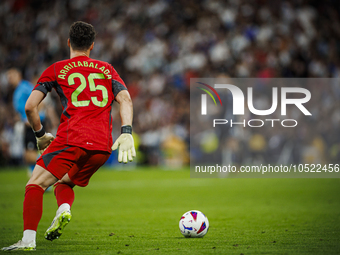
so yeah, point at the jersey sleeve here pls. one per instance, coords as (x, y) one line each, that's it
(117, 83)
(47, 80)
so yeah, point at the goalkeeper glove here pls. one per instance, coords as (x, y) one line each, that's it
(126, 145)
(43, 139)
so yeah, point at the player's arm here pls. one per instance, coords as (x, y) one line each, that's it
(32, 112)
(31, 109)
(125, 140)
(126, 108)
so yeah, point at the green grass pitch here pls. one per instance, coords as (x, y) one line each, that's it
(137, 212)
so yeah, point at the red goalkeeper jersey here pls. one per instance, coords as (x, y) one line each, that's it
(87, 88)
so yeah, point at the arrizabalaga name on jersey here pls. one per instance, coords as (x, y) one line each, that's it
(71, 65)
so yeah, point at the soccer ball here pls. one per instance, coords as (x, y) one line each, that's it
(193, 224)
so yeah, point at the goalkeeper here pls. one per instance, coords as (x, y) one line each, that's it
(87, 89)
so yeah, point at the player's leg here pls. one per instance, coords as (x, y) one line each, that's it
(80, 173)
(33, 206)
(63, 190)
(62, 160)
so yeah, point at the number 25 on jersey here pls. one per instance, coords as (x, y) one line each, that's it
(93, 87)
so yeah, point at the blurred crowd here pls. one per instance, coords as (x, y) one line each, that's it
(158, 45)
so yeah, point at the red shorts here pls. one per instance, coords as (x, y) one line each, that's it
(80, 164)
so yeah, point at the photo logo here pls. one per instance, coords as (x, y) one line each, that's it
(239, 104)
(204, 97)
(264, 127)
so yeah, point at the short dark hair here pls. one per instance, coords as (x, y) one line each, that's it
(81, 35)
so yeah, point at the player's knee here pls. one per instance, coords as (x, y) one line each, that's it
(66, 180)
(67, 183)
(43, 183)
(43, 186)
(60, 182)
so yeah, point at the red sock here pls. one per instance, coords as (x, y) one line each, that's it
(63, 194)
(33, 206)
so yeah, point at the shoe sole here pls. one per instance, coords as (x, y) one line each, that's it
(20, 249)
(56, 230)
